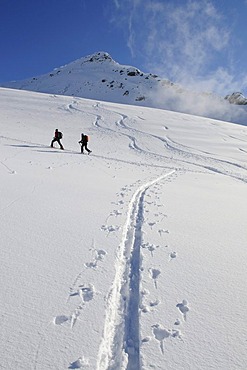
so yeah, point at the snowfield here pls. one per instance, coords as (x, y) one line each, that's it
(98, 77)
(130, 258)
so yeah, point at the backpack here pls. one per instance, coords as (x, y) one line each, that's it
(86, 138)
(59, 135)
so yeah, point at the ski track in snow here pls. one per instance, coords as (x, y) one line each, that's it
(120, 345)
(183, 154)
(12, 172)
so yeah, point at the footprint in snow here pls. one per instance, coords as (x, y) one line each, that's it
(151, 224)
(91, 265)
(144, 292)
(146, 339)
(86, 294)
(74, 317)
(69, 321)
(144, 308)
(160, 214)
(176, 334)
(110, 228)
(114, 213)
(183, 308)
(154, 303)
(172, 255)
(150, 247)
(177, 322)
(99, 256)
(120, 202)
(161, 334)
(61, 320)
(81, 363)
(121, 194)
(154, 273)
(163, 231)
(125, 188)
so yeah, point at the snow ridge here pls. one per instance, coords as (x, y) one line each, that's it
(98, 76)
(119, 347)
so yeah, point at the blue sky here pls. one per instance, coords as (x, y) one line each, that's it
(198, 43)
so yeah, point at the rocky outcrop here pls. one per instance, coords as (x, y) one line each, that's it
(237, 98)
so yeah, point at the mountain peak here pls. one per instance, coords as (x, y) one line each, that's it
(97, 76)
(100, 56)
(97, 57)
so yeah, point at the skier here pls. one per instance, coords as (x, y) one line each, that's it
(83, 142)
(57, 137)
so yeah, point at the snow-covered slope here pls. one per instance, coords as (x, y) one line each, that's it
(98, 76)
(132, 257)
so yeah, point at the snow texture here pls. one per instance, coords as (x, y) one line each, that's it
(130, 258)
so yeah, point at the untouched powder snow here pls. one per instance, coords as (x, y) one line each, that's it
(130, 258)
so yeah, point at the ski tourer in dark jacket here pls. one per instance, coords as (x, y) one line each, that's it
(57, 137)
(83, 142)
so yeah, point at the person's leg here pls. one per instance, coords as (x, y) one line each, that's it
(88, 150)
(52, 142)
(59, 142)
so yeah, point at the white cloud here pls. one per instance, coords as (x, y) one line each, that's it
(206, 105)
(188, 39)
(185, 41)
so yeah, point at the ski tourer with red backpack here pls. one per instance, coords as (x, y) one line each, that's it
(83, 142)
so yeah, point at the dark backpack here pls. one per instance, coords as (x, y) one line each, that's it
(84, 138)
(59, 135)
